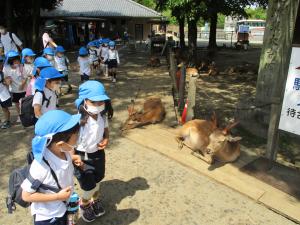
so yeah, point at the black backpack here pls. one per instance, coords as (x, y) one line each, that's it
(16, 179)
(27, 116)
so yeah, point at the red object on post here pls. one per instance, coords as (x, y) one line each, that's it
(183, 116)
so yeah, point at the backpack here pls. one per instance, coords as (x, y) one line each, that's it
(12, 40)
(16, 179)
(27, 116)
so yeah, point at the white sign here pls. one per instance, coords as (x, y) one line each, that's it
(290, 112)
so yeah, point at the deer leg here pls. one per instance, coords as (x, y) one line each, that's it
(206, 158)
(180, 142)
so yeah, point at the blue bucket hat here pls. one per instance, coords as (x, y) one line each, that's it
(11, 54)
(50, 73)
(27, 52)
(51, 123)
(60, 49)
(92, 90)
(83, 51)
(112, 44)
(40, 62)
(48, 51)
(92, 44)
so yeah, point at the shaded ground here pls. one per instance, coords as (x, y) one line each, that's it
(142, 186)
(222, 92)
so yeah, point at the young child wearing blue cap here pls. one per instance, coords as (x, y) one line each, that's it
(27, 60)
(62, 65)
(84, 64)
(5, 99)
(93, 139)
(15, 78)
(104, 55)
(48, 53)
(93, 56)
(113, 61)
(56, 133)
(47, 86)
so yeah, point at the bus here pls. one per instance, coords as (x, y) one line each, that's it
(256, 27)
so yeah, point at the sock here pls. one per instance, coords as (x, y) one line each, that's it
(96, 194)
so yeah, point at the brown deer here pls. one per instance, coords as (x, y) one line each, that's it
(154, 62)
(153, 112)
(211, 142)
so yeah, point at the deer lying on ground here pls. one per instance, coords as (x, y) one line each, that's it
(153, 112)
(209, 142)
(154, 62)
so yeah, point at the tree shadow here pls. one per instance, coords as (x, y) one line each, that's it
(115, 191)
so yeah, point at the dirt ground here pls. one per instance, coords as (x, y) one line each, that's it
(141, 186)
(221, 93)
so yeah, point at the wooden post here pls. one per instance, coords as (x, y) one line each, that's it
(173, 68)
(191, 98)
(182, 88)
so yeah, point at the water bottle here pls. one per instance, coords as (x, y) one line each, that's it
(72, 210)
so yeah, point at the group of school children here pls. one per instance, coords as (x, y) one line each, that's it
(64, 145)
(100, 57)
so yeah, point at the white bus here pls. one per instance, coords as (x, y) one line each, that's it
(256, 27)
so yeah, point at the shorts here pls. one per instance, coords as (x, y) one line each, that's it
(17, 96)
(93, 171)
(84, 77)
(6, 104)
(53, 221)
(112, 64)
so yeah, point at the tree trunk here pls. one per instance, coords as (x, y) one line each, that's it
(192, 37)
(181, 22)
(213, 31)
(35, 24)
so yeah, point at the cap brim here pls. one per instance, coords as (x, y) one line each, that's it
(99, 98)
(75, 119)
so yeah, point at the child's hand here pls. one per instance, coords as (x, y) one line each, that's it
(77, 160)
(102, 145)
(64, 194)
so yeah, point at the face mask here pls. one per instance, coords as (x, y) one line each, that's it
(95, 110)
(49, 57)
(56, 87)
(71, 148)
(111, 47)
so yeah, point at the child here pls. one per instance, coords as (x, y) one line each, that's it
(15, 78)
(62, 65)
(48, 53)
(84, 64)
(113, 60)
(27, 61)
(47, 86)
(5, 99)
(92, 141)
(93, 56)
(104, 55)
(39, 64)
(56, 133)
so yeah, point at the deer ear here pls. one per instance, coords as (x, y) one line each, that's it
(214, 119)
(233, 139)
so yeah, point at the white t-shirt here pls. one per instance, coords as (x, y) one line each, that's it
(50, 95)
(61, 63)
(17, 75)
(91, 134)
(93, 55)
(9, 44)
(84, 65)
(4, 93)
(46, 39)
(28, 69)
(113, 54)
(104, 53)
(63, 170)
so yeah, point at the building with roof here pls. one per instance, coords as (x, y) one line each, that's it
(90, 19)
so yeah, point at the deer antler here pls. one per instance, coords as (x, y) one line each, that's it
(229, 127)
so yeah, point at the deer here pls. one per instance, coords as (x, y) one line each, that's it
(153, 112)
(154, 62)
(208, 142)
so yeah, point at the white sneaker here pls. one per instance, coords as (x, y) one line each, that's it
(114, 80)
(18, 120)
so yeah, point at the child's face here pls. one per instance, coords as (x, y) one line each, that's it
(54, 85)
(60, 54)
(16, 63)
(70, 144)
(92, 103)
(49, 57)
(29, 59)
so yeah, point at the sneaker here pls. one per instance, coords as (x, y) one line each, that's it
(18, 120)
(87, 213)
(114, 80)
(98, 208)
(5, 125)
